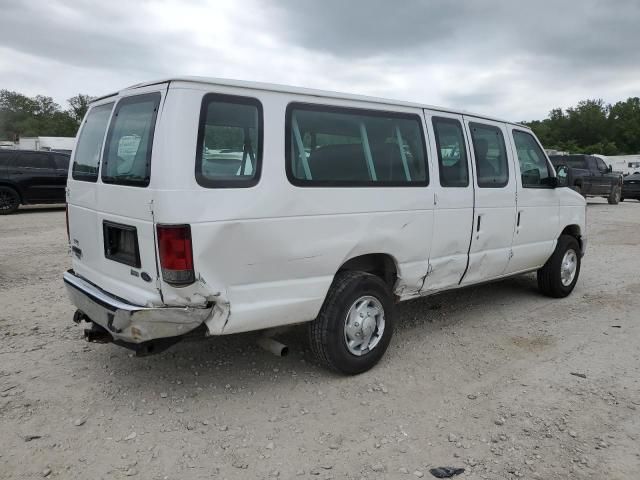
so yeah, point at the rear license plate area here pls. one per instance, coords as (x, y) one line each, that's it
(121, 243)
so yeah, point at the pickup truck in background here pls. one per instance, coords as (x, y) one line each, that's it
(590, 176)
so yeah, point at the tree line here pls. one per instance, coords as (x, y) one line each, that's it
(592, 126)
(22, 116)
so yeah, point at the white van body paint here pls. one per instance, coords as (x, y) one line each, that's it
(266, 255)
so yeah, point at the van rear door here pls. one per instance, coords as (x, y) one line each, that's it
(111, 221)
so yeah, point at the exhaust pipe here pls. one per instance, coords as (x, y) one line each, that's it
(273, 346)
(97, 334)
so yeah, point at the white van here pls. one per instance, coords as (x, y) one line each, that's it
(210, 207)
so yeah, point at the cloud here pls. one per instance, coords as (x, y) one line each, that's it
(511, 59)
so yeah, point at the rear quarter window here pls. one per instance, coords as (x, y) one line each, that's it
(229, 144)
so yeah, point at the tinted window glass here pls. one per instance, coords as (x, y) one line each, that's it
(61, 161)
(127, 153)
(601, 165)
(534, 168)
(87, 155)
(573, 161)
(4, 158)
(492, 169)
(452, 154)
(229, 141)
(33, 160)
(346, 147)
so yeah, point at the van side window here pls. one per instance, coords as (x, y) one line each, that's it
(87, 155)
(127, 153)
(492, 169)
(452, 153)
(534, 168)
(229, 145)
(334, 146)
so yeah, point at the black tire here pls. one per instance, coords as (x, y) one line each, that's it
(9, 200)
(614, 196)
(327, 331)
(578, 188)
(550, 277)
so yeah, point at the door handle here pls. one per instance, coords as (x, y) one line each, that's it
(478, 226)
(518, 224)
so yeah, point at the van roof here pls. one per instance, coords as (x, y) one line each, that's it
(274, 87)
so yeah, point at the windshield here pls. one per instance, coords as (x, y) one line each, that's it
(127, 154)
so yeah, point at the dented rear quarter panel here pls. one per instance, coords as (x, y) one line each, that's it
(266, 255)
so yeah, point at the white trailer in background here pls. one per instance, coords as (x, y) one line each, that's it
(625, 164)
(57, 144)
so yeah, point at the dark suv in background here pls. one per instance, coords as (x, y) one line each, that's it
(590, 176)
(29, 176)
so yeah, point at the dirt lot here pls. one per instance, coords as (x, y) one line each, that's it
(480, 378)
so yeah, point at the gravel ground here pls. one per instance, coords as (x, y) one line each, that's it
(480, 378)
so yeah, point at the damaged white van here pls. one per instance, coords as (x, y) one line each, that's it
(211, 207)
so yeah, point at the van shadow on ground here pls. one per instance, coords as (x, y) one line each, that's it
(235, 364)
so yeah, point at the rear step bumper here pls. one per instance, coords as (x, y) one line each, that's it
(127, 323)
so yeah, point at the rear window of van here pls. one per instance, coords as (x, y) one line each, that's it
(87, 156)
(127, 152)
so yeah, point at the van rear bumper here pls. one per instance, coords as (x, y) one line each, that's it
(127, 323)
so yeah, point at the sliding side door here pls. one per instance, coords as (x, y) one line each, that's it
(453, 200)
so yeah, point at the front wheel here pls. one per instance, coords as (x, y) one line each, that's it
(355, 325)
(614, 196)
(558, 277)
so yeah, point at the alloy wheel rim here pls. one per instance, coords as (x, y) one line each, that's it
(568, 267)
(364, 325)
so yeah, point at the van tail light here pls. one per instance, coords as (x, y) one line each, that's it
(176, 254)
(66, 217)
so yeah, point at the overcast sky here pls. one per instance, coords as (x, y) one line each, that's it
(510, 58)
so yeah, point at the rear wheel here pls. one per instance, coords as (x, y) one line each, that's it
(355, 325)
(614, 196)
(9, 200)
(558, 277)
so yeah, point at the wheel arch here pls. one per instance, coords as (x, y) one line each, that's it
(574, 231)
(382, 265)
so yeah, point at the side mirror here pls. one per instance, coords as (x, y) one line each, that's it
(562, 177)
(609, 169)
